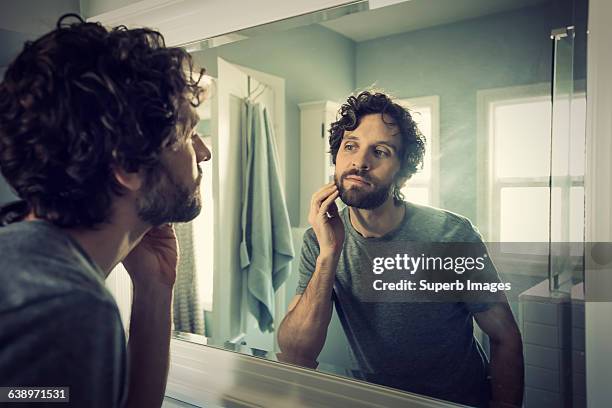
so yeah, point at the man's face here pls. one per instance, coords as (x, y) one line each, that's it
(171, 192)
(367, 162)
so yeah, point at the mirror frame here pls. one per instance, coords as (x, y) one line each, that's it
(182, 28)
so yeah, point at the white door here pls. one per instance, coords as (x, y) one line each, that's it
(230, 317)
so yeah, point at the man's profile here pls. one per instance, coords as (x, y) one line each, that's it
(97, 139)
(423, 347)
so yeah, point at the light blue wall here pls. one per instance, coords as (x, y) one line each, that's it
(317, 64)
(22, 21)
(455, 61)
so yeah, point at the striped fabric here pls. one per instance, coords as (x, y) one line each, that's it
(188, 313)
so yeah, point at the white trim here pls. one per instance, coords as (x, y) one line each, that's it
(134, 11)
(598, 192)
(187, 21)
(208, 376)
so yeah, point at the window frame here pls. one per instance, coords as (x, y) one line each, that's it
(489, 186)
(488, 193)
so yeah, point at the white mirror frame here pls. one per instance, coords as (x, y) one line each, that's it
(598, 192)
(193, 366)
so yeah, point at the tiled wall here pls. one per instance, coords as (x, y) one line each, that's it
(553, 337)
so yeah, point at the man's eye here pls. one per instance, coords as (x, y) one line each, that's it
(349, 146)
(382, 153)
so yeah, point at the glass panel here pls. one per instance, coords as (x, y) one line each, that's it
(560, 273)
(578, 135)
(577, 214)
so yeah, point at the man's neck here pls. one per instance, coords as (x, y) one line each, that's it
(379, 221)
(111, 242)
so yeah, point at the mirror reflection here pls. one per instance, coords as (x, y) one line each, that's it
(338, 138)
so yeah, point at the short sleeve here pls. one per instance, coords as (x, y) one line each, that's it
(76, 341)
(481, 300)
(308, 260)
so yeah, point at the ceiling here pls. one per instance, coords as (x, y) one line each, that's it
(414, 15)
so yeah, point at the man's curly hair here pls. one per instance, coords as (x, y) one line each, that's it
(81, 101)
(412, 148)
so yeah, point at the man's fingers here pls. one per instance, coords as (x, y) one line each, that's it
(320, 196)
(325, 206)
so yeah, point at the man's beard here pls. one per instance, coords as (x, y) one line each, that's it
(357, 196)
(167, 200)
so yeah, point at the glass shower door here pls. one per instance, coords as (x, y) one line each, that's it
(566, 228)
(566, 262)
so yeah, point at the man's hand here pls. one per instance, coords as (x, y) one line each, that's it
(325, 220)
(302, 333)
(155, 258)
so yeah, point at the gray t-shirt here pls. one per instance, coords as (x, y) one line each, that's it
(59, 325)
(422, 347)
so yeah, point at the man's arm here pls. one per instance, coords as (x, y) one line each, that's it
(507, 366)
(149, 344)
(302, 333)
(152, 267)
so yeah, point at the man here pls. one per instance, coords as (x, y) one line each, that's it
(97, 138)
(422, 347)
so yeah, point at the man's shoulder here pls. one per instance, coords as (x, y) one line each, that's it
(426, 223)
(35, 236)
(67, 327)
(41, 263)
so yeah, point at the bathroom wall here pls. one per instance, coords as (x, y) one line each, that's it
(26, 20)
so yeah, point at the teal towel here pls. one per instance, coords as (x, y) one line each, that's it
(266, 249)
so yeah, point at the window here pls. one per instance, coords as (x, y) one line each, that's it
(422, 187)
(519, 169)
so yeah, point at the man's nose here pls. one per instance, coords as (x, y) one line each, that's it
(361, 160)
(202, 151)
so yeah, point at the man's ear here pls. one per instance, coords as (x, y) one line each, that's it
(131, 181)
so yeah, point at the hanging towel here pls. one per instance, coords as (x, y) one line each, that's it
(266, 249)
(188, 314)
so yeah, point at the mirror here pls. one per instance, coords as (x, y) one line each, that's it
(502, 150)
